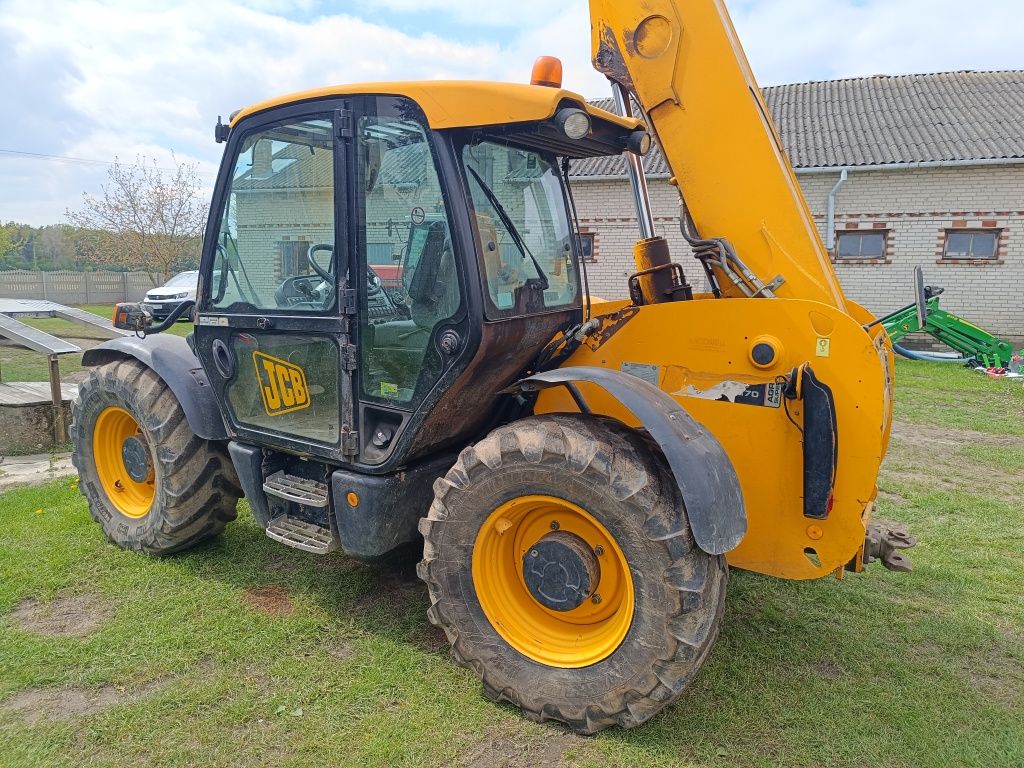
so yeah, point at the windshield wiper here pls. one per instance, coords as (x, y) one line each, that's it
(517, 238)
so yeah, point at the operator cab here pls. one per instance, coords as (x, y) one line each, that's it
(383, 261)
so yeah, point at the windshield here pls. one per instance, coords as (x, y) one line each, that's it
(183, 280)
(523, 230)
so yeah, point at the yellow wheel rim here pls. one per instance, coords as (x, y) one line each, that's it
(568, 639)
(131, 498)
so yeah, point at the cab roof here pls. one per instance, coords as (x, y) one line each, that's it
(460, 103)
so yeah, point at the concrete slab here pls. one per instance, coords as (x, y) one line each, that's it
(17, 471)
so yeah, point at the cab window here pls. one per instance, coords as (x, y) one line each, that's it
(522, 230)
(275, 245)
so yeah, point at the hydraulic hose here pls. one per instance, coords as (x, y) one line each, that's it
(929, 358)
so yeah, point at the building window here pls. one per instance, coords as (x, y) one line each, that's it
(967, 244)
(586, 242)
(866, 244)
(294, 260)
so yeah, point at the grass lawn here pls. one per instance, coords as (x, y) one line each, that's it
(20, 364)
(245, 653)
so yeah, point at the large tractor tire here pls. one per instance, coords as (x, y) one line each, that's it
(562, 568)
(150, 482)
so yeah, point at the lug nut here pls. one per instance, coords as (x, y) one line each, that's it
(598, 550)
(554, 525)
(596, 599)
(534, 553)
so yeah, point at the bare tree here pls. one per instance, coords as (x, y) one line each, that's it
(147, 218)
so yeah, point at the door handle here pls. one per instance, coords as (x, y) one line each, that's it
(223, 360)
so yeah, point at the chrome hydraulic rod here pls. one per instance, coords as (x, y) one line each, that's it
(637, 175)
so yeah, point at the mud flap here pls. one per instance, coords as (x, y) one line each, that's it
(702, 469)
(821, 446)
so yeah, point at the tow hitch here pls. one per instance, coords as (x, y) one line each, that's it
(885, 540)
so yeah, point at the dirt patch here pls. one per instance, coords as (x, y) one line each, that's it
(931, 457)
(65, 616)
(396, 589)
(284, 564)
(931, 437)
(59, 704)
(270, 601)
(507, 748)
(432, 640)
(827, 670)
(340, 651)
(999, 686)
(996, 673)
(895, 499)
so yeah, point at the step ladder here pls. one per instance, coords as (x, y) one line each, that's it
(292, 532)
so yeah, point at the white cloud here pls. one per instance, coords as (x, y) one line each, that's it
(521, 14)
(99, 78)
(798, 40)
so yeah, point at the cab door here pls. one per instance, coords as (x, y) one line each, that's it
(413, 327)
(272, 330)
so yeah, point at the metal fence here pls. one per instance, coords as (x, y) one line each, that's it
(65, 287)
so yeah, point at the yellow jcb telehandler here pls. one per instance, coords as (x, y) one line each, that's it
(393, 338)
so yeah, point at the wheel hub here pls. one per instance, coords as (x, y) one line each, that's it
(135, 456)
(561, 571)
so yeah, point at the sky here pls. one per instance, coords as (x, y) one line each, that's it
(87, 81)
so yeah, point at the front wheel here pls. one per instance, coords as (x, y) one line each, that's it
(150, 482)
(561, 566)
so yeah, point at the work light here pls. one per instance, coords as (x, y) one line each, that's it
(575, 123)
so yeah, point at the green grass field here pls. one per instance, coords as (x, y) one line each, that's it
(20, 364)
(245, 653)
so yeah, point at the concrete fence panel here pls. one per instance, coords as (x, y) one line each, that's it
(67, 287)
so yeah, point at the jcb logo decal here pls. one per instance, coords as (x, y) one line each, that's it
(282, 385)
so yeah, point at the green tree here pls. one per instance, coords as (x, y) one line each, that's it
(10, 248)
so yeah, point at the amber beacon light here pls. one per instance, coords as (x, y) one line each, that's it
(547, 70)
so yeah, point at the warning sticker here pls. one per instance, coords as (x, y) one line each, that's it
(648, 373)
(221, 322)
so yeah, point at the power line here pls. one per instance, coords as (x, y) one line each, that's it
(79, 160)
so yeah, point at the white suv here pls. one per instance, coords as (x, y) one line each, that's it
(162, 301)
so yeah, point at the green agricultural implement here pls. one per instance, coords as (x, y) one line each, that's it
(975, 345)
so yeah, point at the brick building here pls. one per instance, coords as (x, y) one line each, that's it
(934, 175)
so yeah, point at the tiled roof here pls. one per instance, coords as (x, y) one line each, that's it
(883, 120)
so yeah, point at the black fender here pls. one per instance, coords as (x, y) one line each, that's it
(702, 469)
(173, 360)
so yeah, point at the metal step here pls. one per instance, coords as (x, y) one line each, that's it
(309, 493)
(302, 535)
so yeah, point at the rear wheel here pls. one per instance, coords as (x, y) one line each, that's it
(562, 568)
(150, 482)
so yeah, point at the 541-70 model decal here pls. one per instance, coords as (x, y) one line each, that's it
(282, 385)
(764, 395)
